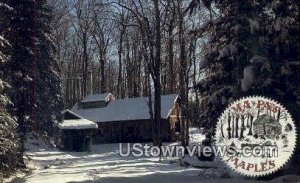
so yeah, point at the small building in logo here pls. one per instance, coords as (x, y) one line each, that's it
(266, 125)
(271, 136)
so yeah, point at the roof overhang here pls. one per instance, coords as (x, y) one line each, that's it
(77, 124)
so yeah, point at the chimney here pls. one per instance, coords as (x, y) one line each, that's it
(91, 81)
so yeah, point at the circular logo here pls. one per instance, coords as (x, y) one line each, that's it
(258, 135)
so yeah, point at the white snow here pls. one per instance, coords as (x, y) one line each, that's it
(277, 25)
(126, 109)
(236, 28)
(6, 6)
(223, 52)
(196, 135)
(254, 25)
(104, 161)
(263, 61)
(104, 164)
(92, 114)
(213, 98)
(27, 79)
(1, 85)
(77, 124)
(233, 49)
(286, 70)
(249, 78)
(18, 74)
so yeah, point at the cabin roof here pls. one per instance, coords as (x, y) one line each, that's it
(266, 119)
(76, 116)
(93, 114)
(96, 97)
(127, 109)
(77, 124)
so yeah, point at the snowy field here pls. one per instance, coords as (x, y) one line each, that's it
(104, 164)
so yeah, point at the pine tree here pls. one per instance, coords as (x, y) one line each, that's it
(32, 72)
(253, 49)
(9, 144)
(49, 99)
(33, 69)
(20, 66)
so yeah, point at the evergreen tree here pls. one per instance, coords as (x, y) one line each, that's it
(20, 67)
(49, 99)
(9, 144)
(253, 49)
(33, 71)
(33, 74)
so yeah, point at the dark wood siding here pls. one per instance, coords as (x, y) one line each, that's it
(77, 140)
(138, 130)
(129, 131)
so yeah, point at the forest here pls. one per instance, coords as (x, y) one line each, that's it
(210, 52)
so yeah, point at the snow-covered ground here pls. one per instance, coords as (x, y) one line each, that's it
(104, 164)
(196, 135)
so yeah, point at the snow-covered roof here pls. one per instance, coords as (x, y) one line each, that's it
(96, 97)
(93, 114)
(126, 109)
(77, 124)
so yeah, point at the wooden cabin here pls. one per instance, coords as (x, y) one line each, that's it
(266, 125)
(77, 132)
(128, 120)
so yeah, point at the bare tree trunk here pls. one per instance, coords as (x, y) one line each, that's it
(170, 54)
(85, 63)
(135, 68)
(128, 70)
(152, 122)
(119, 87)
(183, 75)
(156, 76)
(102, 74)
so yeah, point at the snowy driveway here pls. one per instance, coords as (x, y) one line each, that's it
(104, 162)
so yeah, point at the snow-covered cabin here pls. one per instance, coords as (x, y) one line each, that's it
(128, 120)
(76, 131)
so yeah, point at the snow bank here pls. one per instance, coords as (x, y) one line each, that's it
(196, 136)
